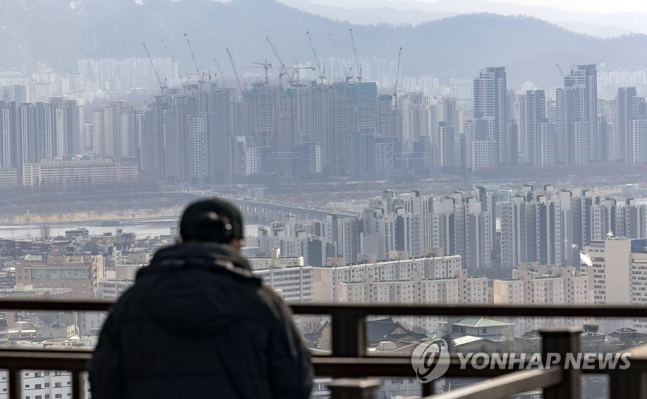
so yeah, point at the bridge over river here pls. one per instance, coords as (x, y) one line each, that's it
(264, 211)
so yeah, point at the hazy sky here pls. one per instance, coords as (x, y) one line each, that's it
(602, 6)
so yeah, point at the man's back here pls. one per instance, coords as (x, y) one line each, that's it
(198, 324)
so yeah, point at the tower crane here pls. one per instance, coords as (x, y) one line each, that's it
(284, 70)
(222, 76)
(197, 70)
(396, 118)
(321, 73)
(163, 86)
(210, 75)
(560, 70)
(266, 65)
(357, 65)
(297, 68)
(233, 66)
(342, 64)
(186, 84)
(397, 75)
(172, 58)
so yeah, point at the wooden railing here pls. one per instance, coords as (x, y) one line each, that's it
(350, 366)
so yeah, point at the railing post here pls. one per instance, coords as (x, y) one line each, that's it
(15, 384)
(428, 388)
(348, 334)
(347, 388)
(78, 386)
(563, 342)
(627, 384)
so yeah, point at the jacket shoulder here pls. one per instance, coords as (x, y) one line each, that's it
(125, 304)
(273, 302)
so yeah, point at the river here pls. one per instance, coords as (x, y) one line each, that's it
(152, 228)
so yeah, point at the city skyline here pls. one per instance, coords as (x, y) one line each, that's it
(270, 178)
(205, 135)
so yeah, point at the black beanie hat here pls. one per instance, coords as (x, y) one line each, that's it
(201, 208)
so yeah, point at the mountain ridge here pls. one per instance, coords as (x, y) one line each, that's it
(457, 46)
(582, 22)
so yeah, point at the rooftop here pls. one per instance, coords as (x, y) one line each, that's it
(481, 322)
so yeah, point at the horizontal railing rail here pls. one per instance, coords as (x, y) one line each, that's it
(349, 358)
(593, 311)
(508, 385)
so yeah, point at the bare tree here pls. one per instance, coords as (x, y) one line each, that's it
(310, 325)
(45, 232)
(591, 328)
(325, 338)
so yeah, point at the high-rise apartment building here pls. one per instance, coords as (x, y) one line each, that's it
(35, 132)
(620, 268)
(533, 114)
(491, 104)
(578, 140)
(460, 224)
(630, 125)
(531, 231)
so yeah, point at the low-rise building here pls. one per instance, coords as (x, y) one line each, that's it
(79, 173)
(78, 273)
(428, 280)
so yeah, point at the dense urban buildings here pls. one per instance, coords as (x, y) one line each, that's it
(524, 246)
(359, 183)
(205, 133)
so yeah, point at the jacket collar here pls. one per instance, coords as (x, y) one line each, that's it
(198, 255)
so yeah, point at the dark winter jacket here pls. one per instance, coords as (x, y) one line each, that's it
(198, 324)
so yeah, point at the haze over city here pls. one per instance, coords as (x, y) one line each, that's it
(599, 6)
(443, 157)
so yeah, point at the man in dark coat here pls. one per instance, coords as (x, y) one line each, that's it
(198, 324)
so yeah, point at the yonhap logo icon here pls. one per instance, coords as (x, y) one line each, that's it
(430, 360)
